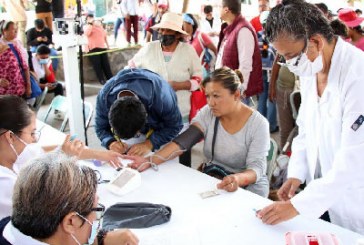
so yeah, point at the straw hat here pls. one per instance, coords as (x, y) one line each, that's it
(171, 21)
(350, 18)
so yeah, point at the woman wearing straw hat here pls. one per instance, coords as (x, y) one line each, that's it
(177, 62)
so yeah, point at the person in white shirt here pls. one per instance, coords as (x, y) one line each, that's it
(130, 10)
(327, 154)
(18, 137)
(211, 25)
(55, 202)
(177, 62)
(239, 49)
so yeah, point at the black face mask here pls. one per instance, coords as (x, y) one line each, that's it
(167, 40)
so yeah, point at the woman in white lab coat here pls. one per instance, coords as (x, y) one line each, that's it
(18, 137)
(328, 153)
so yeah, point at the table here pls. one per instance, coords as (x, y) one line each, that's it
(49, 136)
(225, 219)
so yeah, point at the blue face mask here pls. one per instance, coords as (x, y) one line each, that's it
(43, 61)
(94, 229)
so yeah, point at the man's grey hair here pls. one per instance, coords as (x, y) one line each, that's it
(49, 188)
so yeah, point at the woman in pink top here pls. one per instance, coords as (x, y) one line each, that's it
(97, 42)
(14, 71)
(352, 21)
(200, 41)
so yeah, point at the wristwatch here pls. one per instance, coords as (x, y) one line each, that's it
(101, 236)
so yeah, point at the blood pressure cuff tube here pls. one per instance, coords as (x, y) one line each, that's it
(135, 215)
(188, 138)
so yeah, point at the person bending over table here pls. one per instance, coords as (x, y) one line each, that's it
(242, 137)
(55, 202)
(18, 137)
(134, 102)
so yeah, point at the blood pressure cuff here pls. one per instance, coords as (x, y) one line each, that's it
(189, 138)
(214, 170)
(135, 215)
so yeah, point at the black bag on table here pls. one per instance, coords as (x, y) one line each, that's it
(135, 215)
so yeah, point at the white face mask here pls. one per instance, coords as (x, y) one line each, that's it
(304, 67)
(30, 151)
(94, 229)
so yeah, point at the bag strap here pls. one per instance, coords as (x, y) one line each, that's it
(12, 48)
(214, 138)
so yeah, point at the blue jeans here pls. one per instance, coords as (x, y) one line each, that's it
(117, 25)
(265, 106)
(55, 61)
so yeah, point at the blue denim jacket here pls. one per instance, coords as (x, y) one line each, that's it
(159, 99)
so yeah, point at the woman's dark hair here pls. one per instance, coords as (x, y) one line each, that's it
(228, 78)
(195, 25)
(15, 114)
(127, 116)
(357, 29)
(339, 28)
(5, 25)
(297, 19)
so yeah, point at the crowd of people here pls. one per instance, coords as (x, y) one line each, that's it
(224, 63)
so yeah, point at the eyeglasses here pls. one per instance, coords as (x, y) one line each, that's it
(100, 210)
(35, 134)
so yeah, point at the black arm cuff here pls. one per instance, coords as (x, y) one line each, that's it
(109, 143)
(189, 138)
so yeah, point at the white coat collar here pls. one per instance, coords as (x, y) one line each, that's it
(335, 72)
(15, 237)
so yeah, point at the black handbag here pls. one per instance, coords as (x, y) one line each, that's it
(135, 215)
(210, 168)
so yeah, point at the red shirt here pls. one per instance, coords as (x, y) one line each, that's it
(256, 23)
(197, 44)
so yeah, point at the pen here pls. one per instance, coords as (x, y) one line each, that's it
(256, 210)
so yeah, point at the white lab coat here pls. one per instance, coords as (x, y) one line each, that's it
(7, 182)
(206, 28)
(326, 136)
(8, 177)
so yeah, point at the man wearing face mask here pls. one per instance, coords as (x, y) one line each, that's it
(175, 61)
(44, 71)
(327, 154)
(71, 217)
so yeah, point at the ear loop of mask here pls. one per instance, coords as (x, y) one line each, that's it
(87, 221)
(12, 146)
(75, 239)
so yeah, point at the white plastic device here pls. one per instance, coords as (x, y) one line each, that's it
(125, 181)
